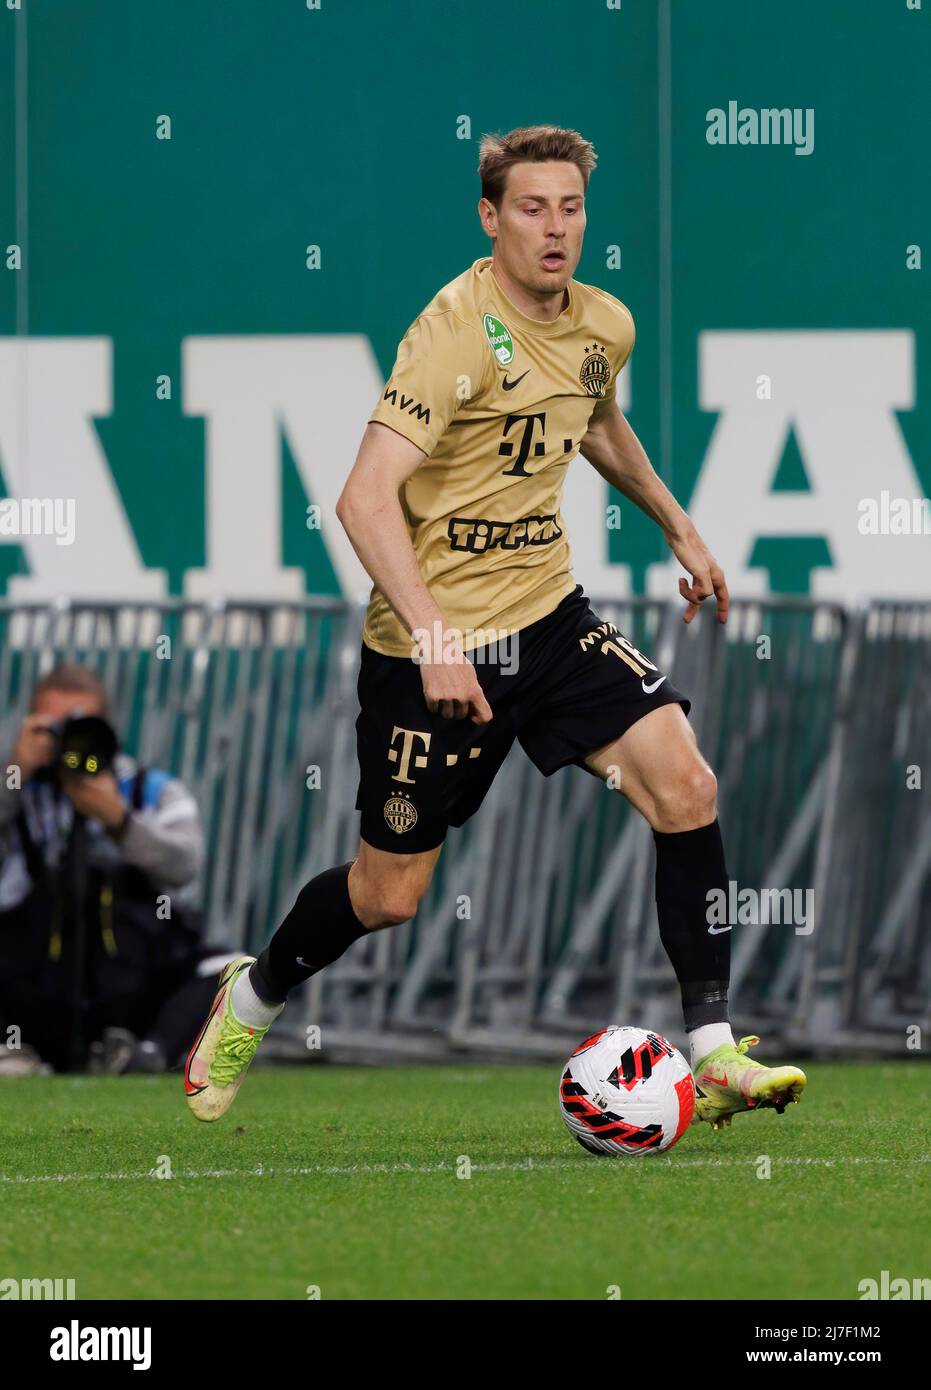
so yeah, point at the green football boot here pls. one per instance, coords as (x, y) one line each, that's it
(727, 1081)
(222, 1051)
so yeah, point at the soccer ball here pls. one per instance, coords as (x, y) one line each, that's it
(627, 1091)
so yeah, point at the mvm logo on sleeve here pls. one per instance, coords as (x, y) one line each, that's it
(77, 1343)
(407, 404)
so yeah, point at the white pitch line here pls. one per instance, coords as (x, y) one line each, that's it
(528, 1166)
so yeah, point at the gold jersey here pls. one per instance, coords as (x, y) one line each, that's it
(499, 403)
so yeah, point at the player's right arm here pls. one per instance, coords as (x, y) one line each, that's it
(369, 509)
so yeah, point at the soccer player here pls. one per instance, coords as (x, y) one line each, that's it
(453, 508)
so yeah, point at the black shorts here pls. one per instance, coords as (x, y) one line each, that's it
(577, 685)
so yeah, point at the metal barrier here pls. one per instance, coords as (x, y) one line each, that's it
(540, 922)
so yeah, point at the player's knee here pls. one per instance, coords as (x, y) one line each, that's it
(397, 907)
(688, 801)
(388, 904)
(386, 899)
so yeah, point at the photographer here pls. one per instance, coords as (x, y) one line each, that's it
(100, 952)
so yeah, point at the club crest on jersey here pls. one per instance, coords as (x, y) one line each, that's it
(400, 814)
(499, 340)
(596, 370)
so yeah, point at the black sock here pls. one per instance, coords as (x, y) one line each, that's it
(689, 864)
(320, 927)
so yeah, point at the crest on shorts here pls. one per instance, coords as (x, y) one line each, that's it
(596, 370)
(400, 813)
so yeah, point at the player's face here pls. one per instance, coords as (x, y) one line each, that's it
(538, 228)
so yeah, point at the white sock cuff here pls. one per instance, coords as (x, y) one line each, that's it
(252, 1011)
(706, 1038)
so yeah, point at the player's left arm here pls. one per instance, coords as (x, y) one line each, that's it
(612, 448)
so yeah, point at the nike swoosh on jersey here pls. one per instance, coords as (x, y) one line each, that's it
(648, 689)
(509, 385)
(717, 931)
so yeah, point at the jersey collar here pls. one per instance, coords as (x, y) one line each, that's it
(551, 328)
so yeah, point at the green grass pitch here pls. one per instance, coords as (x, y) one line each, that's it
(345, 1179)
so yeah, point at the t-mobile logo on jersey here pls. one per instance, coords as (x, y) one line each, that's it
(527, 446)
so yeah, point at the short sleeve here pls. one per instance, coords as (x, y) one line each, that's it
(625, 347)
(439, 367)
